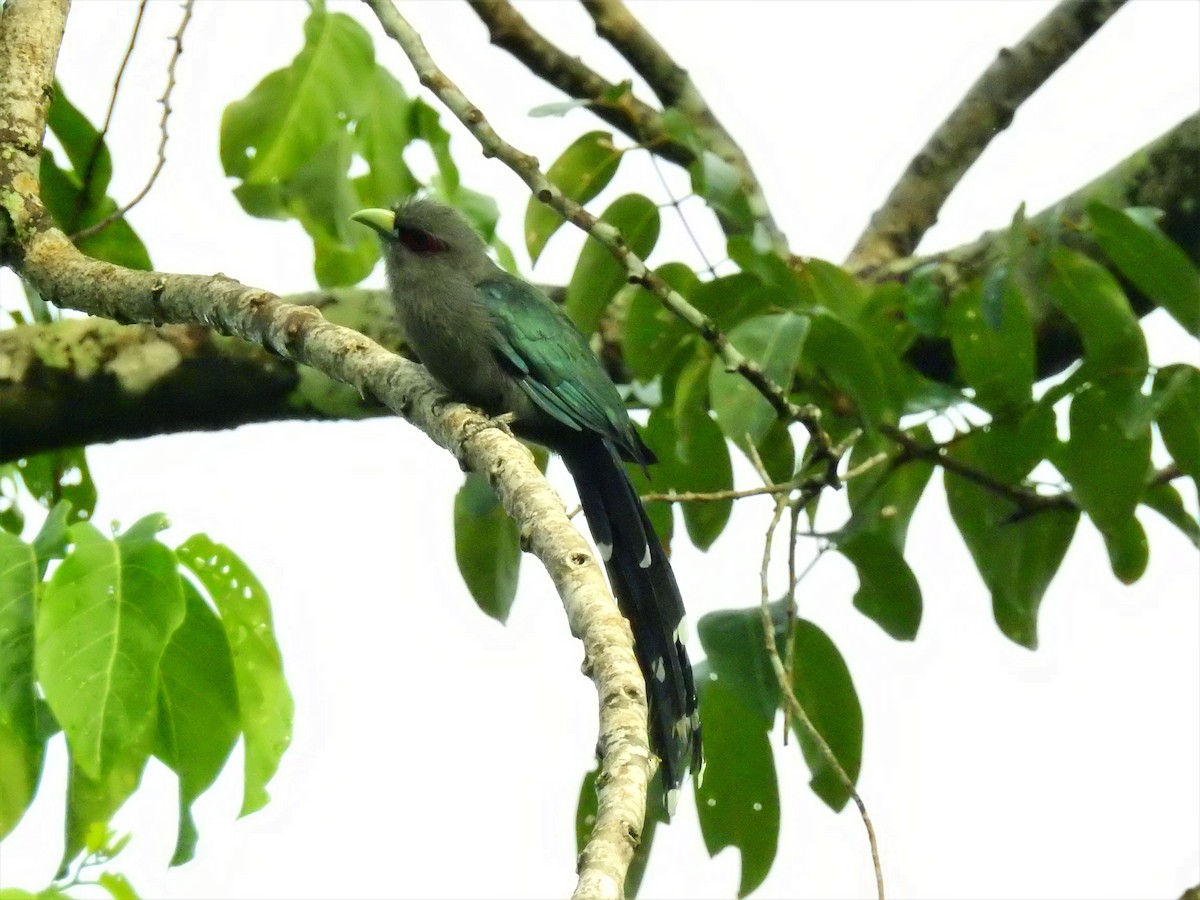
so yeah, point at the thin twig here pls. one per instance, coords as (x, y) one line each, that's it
(794, 707)
(675, 88)
(509, 31)
(988, 108)
(90, 169)
(526, 168)
(165, 100)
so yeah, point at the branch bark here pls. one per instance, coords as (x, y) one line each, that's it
(912, 207)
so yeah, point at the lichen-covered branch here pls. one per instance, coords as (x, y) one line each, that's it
(912, 207)
(84, 381)
(510, 31)
(675, 88)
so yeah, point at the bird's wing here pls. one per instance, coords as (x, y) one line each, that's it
(553, 362)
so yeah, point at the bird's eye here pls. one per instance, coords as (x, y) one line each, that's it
(418, 240)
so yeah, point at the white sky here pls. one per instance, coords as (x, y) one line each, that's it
(437, 753)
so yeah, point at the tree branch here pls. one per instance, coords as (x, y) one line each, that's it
(30, 32)
(675, 88)
(509, 30)
(1165, 174)
(988, 108)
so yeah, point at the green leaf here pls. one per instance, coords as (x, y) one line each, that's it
(427, 125)
(774, 342)
(117, 885)
(1016, 558)
(1166, 501)
(59, 475)
(1179, 417)
(198, 716)
(487, 545)
(582, 172)
(380, 135)
(761, 263)
(652, 332)
(822, 684)
(598, 276)
(702, 465)
(925, 301)
(888, 592)
(720, 185)
(852, 362)
(21, 745)
(883, 498)
(1151, 260)
(271, 133)
(997, 360)
(1128, 549)
(735, 648)
(1109, 492)
(263, 696)
(832, 288)
(91, 802)
(103, 624)
(83, 145)
(739, 800)
(51, 541)
(1091, 298)
(12, 519)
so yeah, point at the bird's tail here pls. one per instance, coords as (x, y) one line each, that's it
(648, 597)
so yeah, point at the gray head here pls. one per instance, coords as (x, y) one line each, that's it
(422, 238)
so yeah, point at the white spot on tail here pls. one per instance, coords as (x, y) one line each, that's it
(682, 631)
(605, 551)
(660, 670)
(645, 563)
(683, 729)
(672, 801)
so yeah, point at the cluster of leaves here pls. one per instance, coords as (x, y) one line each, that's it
(101, 845)
(132, 649)
(843, 345)
(293, 139)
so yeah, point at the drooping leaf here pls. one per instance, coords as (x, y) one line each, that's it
(1108, 492)
(888, 592)
(1166, 501)
(1094, 302)
(774, 342)
(198, 715)
(487, 545)
(598, 276)
(83, 145)
(59, 475)
(738, 802)
(734, 646)
(822, 685)
(91, 802)
(1151, 260)
(103, 624)
(21, 746)
(996, 357)
(884, 497)
(263, 697)
(1179, 417)
(1017, 557)
(580, 173)
(380, 136)
(702, 466)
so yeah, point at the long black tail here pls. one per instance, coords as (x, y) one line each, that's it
(648, 597)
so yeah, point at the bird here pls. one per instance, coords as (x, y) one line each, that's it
(499, 343)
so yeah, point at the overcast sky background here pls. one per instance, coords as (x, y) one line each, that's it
(439, 754)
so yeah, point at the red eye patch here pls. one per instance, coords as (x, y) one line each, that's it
(418, 240)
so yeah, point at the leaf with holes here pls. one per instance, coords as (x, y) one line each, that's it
(263, 697)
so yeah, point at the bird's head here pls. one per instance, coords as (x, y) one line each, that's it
(426, 236)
